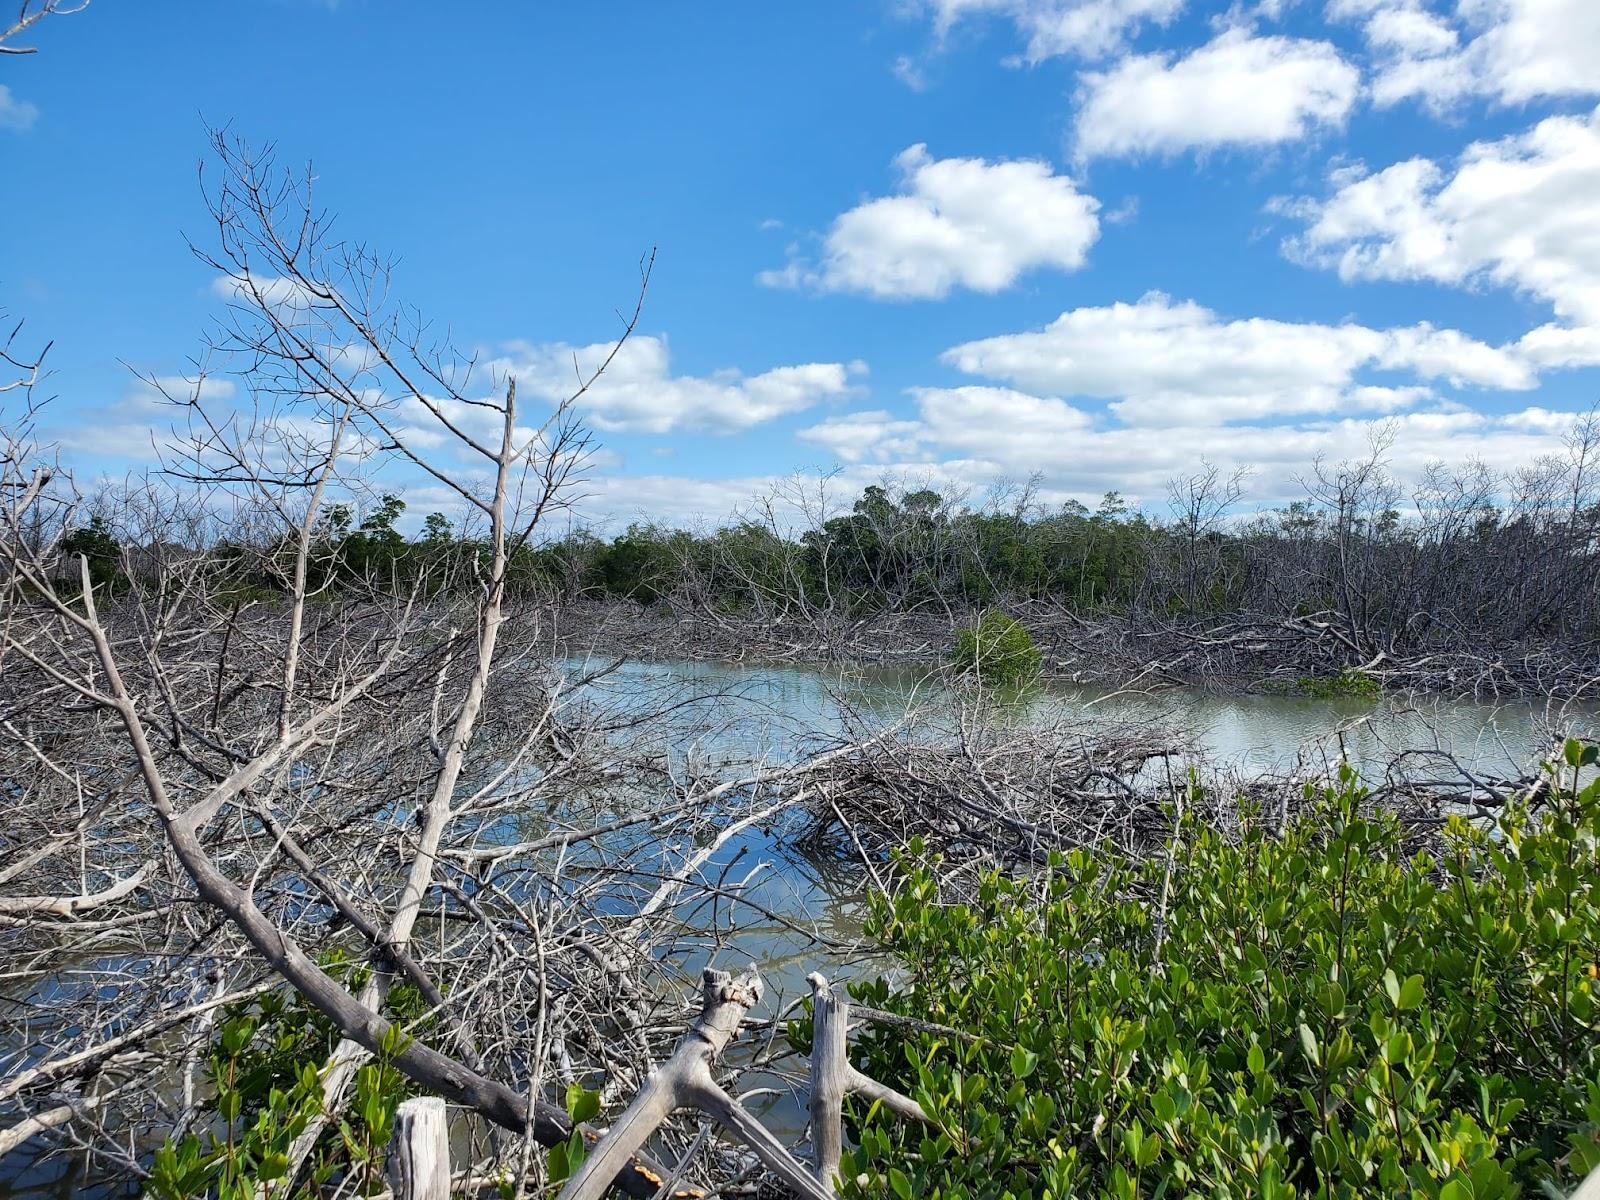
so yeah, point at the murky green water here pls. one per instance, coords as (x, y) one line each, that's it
(779, 711)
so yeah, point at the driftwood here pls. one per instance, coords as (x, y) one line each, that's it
(685, 1080)
(418, 1166)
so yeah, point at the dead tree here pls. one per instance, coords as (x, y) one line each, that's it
(31, 13)
(685, 1080)
(238, 751)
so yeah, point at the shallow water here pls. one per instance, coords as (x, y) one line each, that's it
(779, 711)
(779, 708)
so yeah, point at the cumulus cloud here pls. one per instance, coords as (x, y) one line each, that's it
(1561, 346)
(678, 500)
(638, 393)
(289, 297)
(1162, 362)
(956, 222)
(1086, 28)
(1522, 212)
(16, 115)
(1237, 90)
(146, 420)
(855, 436)
(1075, 456)
(1511, 51)
(980, 419)
(1127, 396)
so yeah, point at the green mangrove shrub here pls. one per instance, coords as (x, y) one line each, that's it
(997, 650)
(264, 1089)
(1326, 1011)
(1350, 683)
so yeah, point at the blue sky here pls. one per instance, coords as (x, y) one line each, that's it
(966, 240)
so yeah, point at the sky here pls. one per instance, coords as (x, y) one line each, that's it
(1091, 242)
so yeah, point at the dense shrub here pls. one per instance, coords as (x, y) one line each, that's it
(98, 546)
(263, 1090)
(997, 650)
(1352, 683)
(1328, 1013)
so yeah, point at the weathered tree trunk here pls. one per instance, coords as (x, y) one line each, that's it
(419, 1152)
(830, 1067)
(685, 1079)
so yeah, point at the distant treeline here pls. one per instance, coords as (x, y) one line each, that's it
(1465, 556)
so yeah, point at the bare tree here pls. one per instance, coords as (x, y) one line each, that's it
(31, 13)
(230, 752)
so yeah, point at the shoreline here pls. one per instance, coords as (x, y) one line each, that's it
(1236, 655)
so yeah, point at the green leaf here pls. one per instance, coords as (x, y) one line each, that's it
(1023, 1062)
(566, 1158)
(1391, 985)
(1308, 1042)
(1149, 1151)
(582, 1104)
(1411, 994)
(1256, 1059)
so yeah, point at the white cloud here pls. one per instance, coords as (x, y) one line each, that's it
(17, 115)
(292, 299)
(144, 420)
(1451, 355)
(1522, 212)
(679, 500)
(1181, 383)
(1238, 90)
(1410, 31)
(1083, 459)
(1088, 28)
(957, 222)
(1161, 362)
(639, 393)
(979, 419)
(154, 422)
(855, 436)
(1512, 51)
(1561, 346)
(960, 418)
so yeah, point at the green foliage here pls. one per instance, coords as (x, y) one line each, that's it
(1350, 683)
(437, 530)
(998, 650)
(582, 1105)
(99, 547)
(265, 1089)
(1329, 1013)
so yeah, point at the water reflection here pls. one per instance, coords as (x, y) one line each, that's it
(770, 896)
(780, 710)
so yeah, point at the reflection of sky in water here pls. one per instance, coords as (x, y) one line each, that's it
(739, 711)
(779, 711)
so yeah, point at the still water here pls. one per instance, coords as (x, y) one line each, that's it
(736, 711)
(782, 709)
